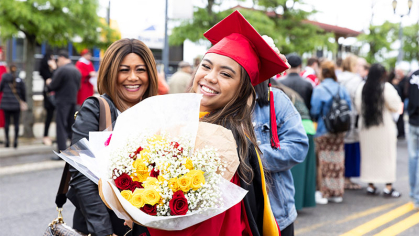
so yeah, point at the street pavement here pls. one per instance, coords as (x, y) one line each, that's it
(28, 184)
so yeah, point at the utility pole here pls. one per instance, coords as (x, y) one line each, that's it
(108, 15)
(394, 3)
(166, 44)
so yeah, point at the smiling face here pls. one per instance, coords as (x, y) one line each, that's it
(218, 79)
(132, 79)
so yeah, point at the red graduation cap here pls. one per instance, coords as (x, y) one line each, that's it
(236, 38)
(84, 51)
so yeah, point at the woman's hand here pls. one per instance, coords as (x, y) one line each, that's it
(128, 223)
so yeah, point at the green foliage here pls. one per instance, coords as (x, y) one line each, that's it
(288, 30)
(54, 21)
(411, 42)
(379, 39)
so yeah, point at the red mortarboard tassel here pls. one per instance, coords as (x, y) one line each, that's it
(274, 130)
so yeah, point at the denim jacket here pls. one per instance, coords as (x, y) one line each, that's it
(322, 100)
(294, 146)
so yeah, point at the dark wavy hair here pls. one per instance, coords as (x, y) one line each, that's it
(236, 116)
(373, 97)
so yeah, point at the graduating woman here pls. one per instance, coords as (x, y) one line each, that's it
(239, 60)
(127, 75)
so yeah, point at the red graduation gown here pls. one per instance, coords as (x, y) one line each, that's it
(86, 88)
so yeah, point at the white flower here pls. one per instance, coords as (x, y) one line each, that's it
(271, 43)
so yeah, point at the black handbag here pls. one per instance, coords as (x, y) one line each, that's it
(58, 227)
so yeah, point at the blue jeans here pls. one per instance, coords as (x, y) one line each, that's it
(413, 147)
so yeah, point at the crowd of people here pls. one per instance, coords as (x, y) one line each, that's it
(368, 148)
(282, 121)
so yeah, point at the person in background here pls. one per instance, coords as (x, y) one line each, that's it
(294, 146)
(303, 174)
(14, 91)
(311, 71)
(351, 81)
(362, 68)
(399, 83)
(85, 66)
(329, 147)
(3, 69)
(339, 68)
(65, 83)
(46, 70)
(375, 101)
(413, 137)
(294, 81)
(163, 87)
(180, 80)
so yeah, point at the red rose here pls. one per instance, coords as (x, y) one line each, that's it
(134, 185)
(178, 204)
(123, 182)
(154, 173)
(149, 209)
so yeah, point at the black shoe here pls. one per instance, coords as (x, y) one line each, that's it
(6, 144)
(15, 144)
(372, 191)
(392, 193)
(56, 158)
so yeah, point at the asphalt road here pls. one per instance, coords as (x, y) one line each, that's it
(28, 185)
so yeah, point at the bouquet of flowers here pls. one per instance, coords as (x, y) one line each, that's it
(163, 170)
(157, 175)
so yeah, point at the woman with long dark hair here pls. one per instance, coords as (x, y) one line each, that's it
(46, 70)
(375, 101)
(225, 77)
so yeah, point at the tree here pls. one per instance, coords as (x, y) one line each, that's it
(53, 21)
(411, 42)
(288, 30)
(379, 40)
(291, 32)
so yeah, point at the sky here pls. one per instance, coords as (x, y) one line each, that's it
(133, 16)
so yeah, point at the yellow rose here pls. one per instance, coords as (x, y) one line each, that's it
(144, 155)
(156, 138)
(151, 196)
(141, 171)
(173, 185)
(127, 194)
(184, 183)
(137, 198)
(197, 177)
(151, 182)
(140, 176)
(189, 164)
(161, 179)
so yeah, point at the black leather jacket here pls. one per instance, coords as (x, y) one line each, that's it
(98, 219)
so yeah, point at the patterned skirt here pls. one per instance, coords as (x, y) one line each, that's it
(331, 165)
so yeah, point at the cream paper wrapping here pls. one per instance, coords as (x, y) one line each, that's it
(176, 115)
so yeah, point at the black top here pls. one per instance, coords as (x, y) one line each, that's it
(413, 95)
(10, 100)
(66, 83)
(295, 82)
(98, 219)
